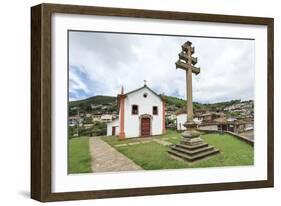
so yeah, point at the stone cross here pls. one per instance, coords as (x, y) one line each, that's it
(186, 62)
(191, 140)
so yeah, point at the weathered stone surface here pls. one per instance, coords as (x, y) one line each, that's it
(191, 147)
(107, 159)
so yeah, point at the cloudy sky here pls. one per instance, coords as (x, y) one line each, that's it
(100, 63)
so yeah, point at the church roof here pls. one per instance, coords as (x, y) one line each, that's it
(144, 86)
(133, 91)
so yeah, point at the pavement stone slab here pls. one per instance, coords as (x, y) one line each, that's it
(107, 159)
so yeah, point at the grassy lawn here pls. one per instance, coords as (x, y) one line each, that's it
(79, 159)
(170, 136)
(150, 156)
(233, 152)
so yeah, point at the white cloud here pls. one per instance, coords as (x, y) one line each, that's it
(113, 60)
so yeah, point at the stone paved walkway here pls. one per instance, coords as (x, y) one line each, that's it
(106, 159)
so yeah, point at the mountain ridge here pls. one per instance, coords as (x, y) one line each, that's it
(102, 104)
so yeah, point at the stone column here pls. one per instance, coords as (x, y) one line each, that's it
(163, 116)
(189, 106)
(122, 115)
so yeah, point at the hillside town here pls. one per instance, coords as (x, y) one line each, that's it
(236, 116)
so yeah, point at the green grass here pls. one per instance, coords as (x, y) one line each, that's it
(150, 156)
(173, 137)
(233, 152)
(113, 140)
(79, 159)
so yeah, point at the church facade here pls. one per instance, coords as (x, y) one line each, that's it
(141, 114)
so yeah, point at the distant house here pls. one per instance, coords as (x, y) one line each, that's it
(233, 124)
(87, 126)
(208, 122)
(73, 120)
(113, 128)
(181, 119)
(88, 115)
(208, 116)
(106, 118)
(82, 114)
(201, 118)
(141, 113)
(209, 126)
(96, 118)
(200, 112)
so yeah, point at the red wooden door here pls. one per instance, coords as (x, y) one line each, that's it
(145, 127)
(113, 131)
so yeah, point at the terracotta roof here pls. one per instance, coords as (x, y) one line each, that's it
(221, 120)
(209, 122)
(180, 112)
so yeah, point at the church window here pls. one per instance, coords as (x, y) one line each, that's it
(155, 110)
(135, 109)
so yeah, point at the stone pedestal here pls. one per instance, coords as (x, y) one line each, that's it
(192, 147)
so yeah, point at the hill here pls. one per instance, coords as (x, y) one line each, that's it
(96, 105)
(108, 104)
(177, 104)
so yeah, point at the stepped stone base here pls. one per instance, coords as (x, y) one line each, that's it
(192, 147)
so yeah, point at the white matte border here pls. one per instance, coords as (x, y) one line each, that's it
(62, 182)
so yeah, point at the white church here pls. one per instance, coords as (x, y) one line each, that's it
(141, 114)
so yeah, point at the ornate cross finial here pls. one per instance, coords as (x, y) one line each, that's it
(186, 62)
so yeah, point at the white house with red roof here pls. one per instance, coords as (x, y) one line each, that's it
(141, 114)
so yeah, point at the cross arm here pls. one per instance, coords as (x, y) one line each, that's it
(185, 66)
(185, 57)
